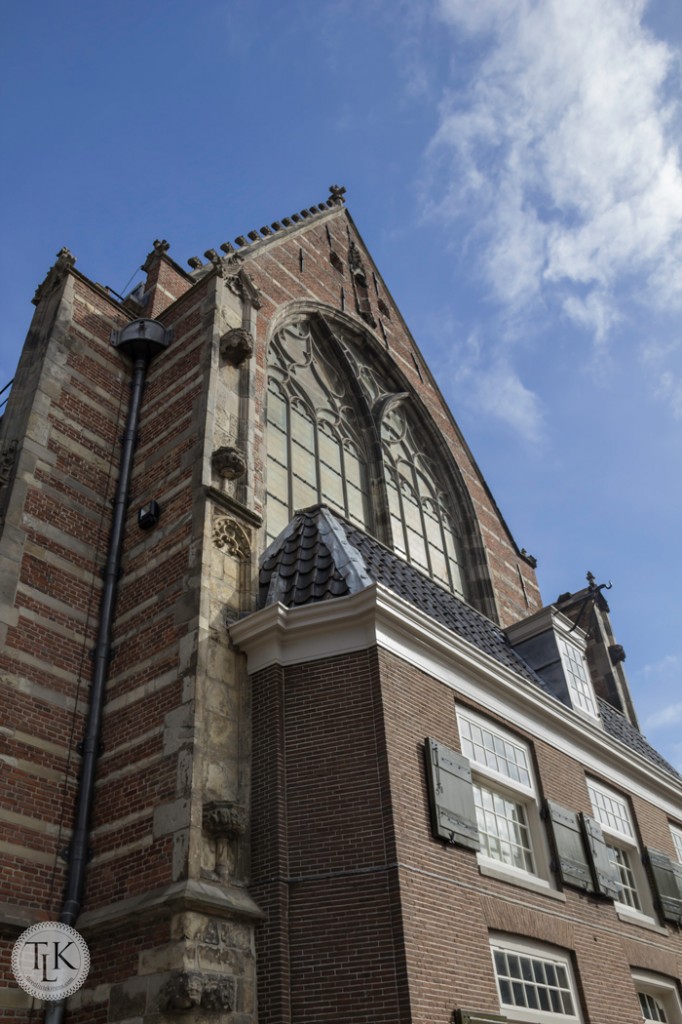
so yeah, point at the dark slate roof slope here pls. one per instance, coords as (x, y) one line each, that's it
(320, 556)
(617, 725)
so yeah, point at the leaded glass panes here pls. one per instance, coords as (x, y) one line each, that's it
(428, 533)
(314, 447)
(321, 389)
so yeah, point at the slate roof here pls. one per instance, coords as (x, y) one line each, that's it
(320, 556)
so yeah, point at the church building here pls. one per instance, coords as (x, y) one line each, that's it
(288, 733)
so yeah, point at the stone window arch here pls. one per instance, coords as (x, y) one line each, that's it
(342, 432)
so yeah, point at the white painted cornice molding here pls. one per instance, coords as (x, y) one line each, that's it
(277, 635)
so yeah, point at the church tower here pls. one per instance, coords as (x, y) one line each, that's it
(288, 734)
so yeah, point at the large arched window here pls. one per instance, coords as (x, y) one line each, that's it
(422, 526)
(315, 449)
(341, 432)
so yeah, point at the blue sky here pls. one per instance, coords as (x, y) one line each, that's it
(514, 168)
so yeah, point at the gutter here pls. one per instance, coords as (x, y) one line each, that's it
(141, 340)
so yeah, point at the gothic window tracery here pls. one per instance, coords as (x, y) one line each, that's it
(315, 450)
(335, 422)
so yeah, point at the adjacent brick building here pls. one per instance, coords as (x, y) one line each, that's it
(347, 766)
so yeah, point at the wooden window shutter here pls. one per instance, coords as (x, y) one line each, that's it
(451, 797)
(666, 875)
(572, 862)
(606, 880)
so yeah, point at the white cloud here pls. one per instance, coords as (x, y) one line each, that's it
(487, 383)
(560, 156)
(670, 715)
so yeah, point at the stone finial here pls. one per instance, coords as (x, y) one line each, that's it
(229, 463)
(336, 194)
(236, 345)
(159, 248)
(55, 275)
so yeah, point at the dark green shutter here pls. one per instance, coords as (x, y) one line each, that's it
(666, 875)
(571, 862)
(451, 797)
(606, 878)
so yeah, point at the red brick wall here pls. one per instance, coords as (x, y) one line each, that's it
(361, 899)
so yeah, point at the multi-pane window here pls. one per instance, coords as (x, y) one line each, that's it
(577, 677)
(677, 841)
(659, 998)
(503, 828)
(651, 1009)
(534, 982)
(333, 424)
(613, 814)
(504, 795)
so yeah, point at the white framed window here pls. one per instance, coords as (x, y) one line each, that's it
(659, 998)
(677, 841)
(612, 811)
(577, 677)
(534, 982)
(513, 843)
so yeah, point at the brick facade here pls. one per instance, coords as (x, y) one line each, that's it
(260, 843)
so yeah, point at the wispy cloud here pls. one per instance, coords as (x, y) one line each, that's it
(487, 382)
(560, 157)
(670, 715)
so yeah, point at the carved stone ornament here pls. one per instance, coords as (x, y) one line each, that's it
(186, 990)
(236, 346)
(55, 275)
(242, 285)
(7, 459)
(159, 248)
(336, 194)
(229, 536)
(229, 463)
(224, 818)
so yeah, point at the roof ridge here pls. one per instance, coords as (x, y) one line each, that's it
(266, 232)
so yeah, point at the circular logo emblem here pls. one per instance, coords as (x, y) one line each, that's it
(50, 960)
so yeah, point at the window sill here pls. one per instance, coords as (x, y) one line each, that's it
(504, 873)
(626, 913)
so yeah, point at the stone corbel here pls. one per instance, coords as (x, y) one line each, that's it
(224, 821)
(228, 462)
(236, 345)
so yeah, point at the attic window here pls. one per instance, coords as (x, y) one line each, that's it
(577, 676)
(555, 648)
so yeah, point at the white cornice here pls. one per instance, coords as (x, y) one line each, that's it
(376, 615)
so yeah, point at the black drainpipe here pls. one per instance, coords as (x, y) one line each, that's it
(141, 340)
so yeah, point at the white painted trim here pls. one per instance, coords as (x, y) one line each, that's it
(377, 616)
